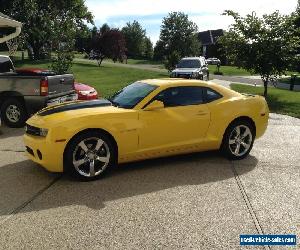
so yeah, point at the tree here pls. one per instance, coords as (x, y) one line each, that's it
(296, 16)
(83, 39)
(178, 34)
(263, 46)
(104, 28)
(46, 22)
(110, 44)
(172, 60)
(148, 53)
(159, 51)
(135, 37)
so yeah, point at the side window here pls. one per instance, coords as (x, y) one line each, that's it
(181, 96)
(5, 65)
(211, 95)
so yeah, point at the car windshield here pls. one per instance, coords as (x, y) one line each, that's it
(131, 95)
(189, 64)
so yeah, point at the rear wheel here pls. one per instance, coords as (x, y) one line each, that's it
(13, 113)
(90, 155)
(238, 140)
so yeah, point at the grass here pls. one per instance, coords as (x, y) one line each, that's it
(288, 80)
(107, 79)
(229, 70)
(280, 101)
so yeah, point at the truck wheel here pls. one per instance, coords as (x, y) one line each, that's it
(13, 113)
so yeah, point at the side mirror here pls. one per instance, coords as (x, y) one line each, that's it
(154, 106)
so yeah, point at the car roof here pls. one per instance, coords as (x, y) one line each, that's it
(175, 82)
(192, 58)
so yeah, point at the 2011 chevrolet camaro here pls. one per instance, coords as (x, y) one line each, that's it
(147, 119)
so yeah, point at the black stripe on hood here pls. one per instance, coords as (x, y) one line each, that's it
(76, 105)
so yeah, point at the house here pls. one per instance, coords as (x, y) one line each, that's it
(208, 40)
(9, 27)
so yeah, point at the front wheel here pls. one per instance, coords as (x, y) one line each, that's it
(90, 155)
(13, 113)
(238, 140)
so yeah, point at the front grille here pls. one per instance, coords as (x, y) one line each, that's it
(32, 130)
(184, 76)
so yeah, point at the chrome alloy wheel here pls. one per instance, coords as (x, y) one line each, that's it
(240, 140)
(13, 113)
(91, 157)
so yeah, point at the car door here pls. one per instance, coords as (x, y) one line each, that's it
(183, 121)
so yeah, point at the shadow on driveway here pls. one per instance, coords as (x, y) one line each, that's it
(6, 132)
(128, 180)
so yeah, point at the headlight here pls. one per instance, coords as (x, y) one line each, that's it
(43, 132)
(195, 74)
(85, 92)
(31, 130)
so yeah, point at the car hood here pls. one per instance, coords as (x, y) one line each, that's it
(185, 70)
(73, 111)
(74, 106)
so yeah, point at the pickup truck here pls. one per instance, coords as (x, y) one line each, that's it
(25, 91)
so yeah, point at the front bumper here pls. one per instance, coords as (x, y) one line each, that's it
(185, 75)
(46, 153)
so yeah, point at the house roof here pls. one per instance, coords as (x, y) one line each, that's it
(210, 37)
(6, 21)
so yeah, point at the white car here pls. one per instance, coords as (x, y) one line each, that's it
(191, 68)
(213, 61)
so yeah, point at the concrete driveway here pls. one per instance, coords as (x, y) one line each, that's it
(198, 201)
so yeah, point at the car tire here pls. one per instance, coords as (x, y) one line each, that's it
(238, 140)
(90, 155)
(13, 113)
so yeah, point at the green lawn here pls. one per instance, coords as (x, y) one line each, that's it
(288, 80)
(107, 79)
(279, 101)
(229, 70)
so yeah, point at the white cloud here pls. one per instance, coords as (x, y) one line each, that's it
(206, 14)
(105, 9)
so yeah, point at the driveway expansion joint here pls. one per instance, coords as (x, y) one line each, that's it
(248, 203)
(14, 151)
(35, 196)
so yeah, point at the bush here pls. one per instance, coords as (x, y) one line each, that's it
(172, 60)
(63, 62)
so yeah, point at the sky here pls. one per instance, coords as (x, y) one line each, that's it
(205, 13)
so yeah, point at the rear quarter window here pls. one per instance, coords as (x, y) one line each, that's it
(5, 65)
(211, 95)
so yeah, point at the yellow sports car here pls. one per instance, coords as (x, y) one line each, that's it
(147, 119)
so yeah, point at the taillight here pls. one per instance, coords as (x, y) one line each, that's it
(44, 87)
